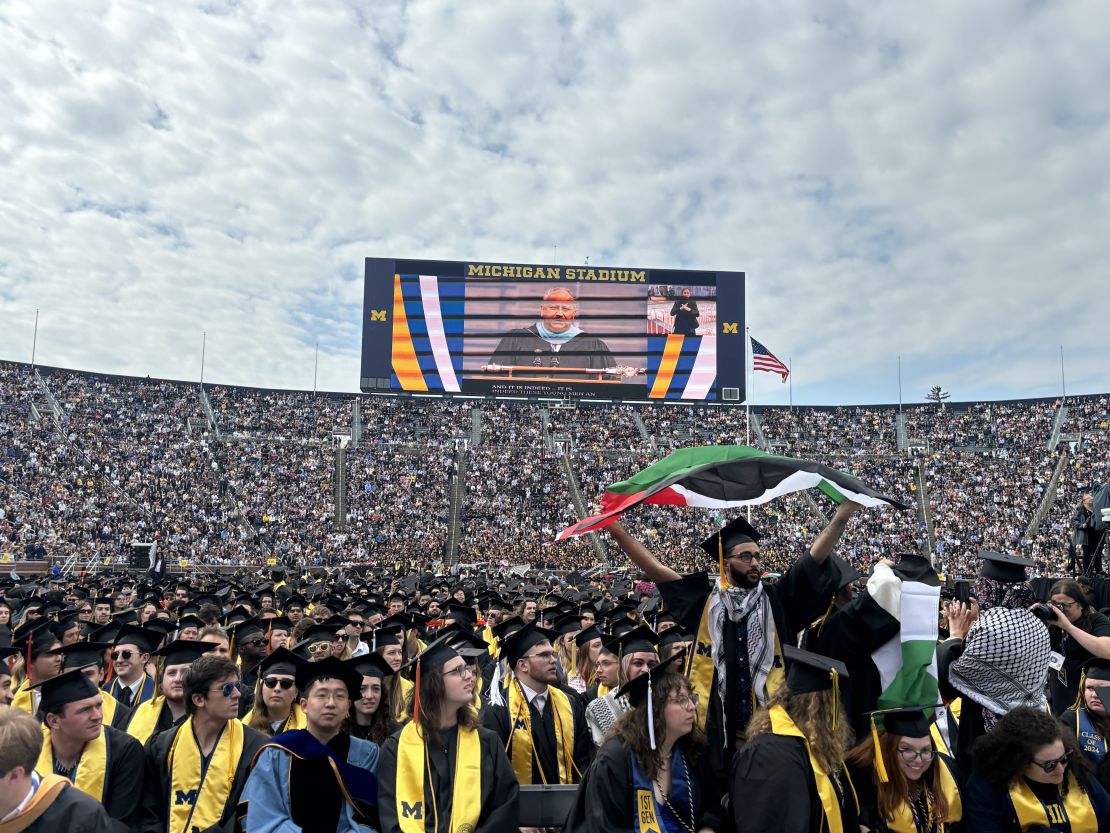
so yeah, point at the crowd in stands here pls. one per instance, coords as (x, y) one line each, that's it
(131, 459)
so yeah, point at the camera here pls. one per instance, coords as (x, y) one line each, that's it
(1043, 613)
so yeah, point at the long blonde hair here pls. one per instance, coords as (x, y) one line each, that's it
(813, 714)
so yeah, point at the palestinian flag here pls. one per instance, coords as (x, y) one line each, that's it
(724, 477)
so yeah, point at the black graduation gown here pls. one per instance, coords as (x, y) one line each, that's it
(972, 724)
(524, 346)
(124, 788)
(122, 716)
(74, 812)
(773, 788)
(797, 599)
(497, 719)
(154, 809)
(248, 677)
(863, 780)
(500, 792)
(605, 802)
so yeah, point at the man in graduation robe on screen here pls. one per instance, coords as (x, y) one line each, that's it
(555, 340)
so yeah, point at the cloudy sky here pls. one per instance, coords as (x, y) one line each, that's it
(929, 181)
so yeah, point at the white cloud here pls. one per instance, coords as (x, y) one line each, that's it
(930, 185)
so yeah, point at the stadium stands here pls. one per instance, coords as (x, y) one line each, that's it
(233, 475)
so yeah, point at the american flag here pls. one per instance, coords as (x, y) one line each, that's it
(764, 359)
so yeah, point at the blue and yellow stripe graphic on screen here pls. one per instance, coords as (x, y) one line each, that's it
(667, 365)
(405, 363)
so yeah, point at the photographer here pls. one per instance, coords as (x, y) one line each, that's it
(1078, 632)
(1085, 540)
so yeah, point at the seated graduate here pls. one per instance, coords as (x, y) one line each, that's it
(102, 762)
(371, 715)
(318, 779)
(649, 773)
(37, 643)
(1089, 718)
(276, 709)
(196, 770)
(903, 783)
(790, 775)
(630, 654)
(1029, 775)
(443, 771)
(33, 803)
(587, 647)
(167, 708)
(541, 727)
(132, 686)
(89, 657)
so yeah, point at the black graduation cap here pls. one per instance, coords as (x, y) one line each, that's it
(906, 721)
(183, 651)
(846, 573)
(809, 672)
(636, 689)
(247, 628)
(143, 639)
(736, 531)
(587, 635)
(161, 627)
(278, 623)
(517, 644)
(467, 643)
(106, 633)
(7, 653)
(672, 636)
(320, 633)
(507, 626)
(281, 661)
(1097, 669)
(371, 665)
(296, 600)
(641, 639)
(496, 602)
(1003, 567)
(190, 620)
(436, 654)
(462, 614)
(384, 637)
(330, 668)
(67, 687)
(82, 654)
(568, 623)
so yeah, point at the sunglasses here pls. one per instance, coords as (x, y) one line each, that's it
(1050, 766)
(227, 689)
(118, 655)
(253, 643)
(319, 647)
(274, 682)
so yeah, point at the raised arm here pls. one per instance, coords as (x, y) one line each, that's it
(641, 556)
(825, 542)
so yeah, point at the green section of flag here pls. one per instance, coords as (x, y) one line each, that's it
(682, 462)
(915, 683)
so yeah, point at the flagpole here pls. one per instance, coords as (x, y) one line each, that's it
(1063, 380)
(203, 347)
(315, 366)
(35, 339)
(750, 378)
(899, 386)
(790, 376)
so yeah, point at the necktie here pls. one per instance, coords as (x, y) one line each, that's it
(125, 696)
(539, 701)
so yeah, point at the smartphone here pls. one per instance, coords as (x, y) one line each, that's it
(963, 592)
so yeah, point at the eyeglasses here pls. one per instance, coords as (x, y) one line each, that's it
(319, 647)
(544, 655)
(226, 689)
(686, 700)
(1050, 766)
(461, 672)
(746, 557)
(1064, 605)
(274, 682)
(253, 643)
(911, 755)
(124, 655)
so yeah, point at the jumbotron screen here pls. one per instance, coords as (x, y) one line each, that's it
(534, 330)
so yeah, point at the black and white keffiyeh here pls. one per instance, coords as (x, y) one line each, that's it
(1005, 662)
(737, 604)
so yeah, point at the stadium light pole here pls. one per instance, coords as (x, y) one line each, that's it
(315, 366)
(35, 339)
(1063, 379)
(899, 386)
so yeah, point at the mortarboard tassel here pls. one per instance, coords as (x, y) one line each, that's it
(416, 693)
(835, 699)
(650, 716)
(880, 765)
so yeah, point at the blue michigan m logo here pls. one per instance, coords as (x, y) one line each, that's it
(412, 811)
(183, 797)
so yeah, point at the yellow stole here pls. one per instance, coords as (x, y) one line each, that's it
(903, 815)
(490, 640)
(296, 719)
(144, 719)
(195, 803)
(781, 724)
(50, 787)
(24, 698)
(1075, 809)
(602, 690)
(700, 667)
(400, 713)
(520, 736)
(108, 704)
(466, 792)
(91, 769)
